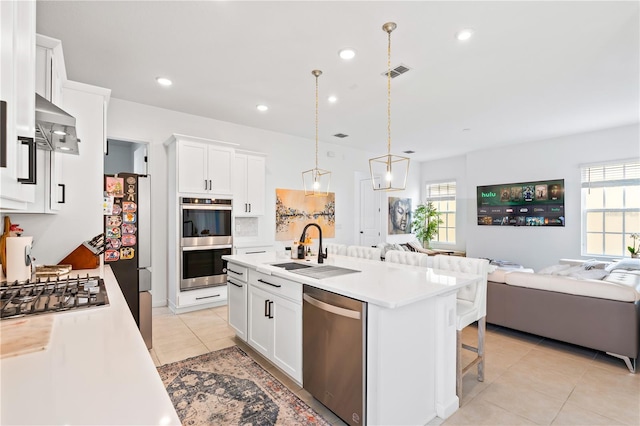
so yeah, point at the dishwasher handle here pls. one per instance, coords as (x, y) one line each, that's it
(331, 308)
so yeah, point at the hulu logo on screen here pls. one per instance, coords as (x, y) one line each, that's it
(488, 194)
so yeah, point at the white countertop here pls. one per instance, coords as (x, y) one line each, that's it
(95, 371)
(385, 284)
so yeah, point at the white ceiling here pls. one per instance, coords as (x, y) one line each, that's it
(533, 70)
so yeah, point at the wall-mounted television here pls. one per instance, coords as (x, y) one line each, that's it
(537, 203)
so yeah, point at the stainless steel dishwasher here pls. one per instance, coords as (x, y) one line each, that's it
(334, 352)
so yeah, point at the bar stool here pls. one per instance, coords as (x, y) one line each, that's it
(363, 252)
(408, 258)
(339, 249)
(471, 306)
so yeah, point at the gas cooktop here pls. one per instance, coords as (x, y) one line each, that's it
(43, 296)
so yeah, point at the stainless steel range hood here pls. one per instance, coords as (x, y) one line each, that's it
(55, 129)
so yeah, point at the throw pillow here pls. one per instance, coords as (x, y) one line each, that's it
(591, 274)
(628, 264)
(553, 269)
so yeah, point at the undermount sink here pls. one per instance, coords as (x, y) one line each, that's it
(290, 266)
(324, 271)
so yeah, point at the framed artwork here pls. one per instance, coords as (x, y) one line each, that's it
(399, 215)
(294, 211)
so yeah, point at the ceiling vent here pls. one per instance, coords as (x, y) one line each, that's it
(341, 135)
(399, 70)
(409, 152)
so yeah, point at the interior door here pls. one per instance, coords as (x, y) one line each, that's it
(369, 214)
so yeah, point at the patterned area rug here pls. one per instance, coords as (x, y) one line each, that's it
(227, 387)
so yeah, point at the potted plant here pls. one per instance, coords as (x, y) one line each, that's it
(634, 248)
(426, 220)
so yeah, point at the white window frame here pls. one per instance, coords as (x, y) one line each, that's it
(623, 173)
(429, 186)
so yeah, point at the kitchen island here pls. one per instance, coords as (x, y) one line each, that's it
(410, 331)
(95, 370)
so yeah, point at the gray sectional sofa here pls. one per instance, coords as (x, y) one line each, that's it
(602, 314)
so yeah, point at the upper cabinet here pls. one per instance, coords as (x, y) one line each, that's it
(17, 93)
(203, 166)
(50, 69)
(248, 184)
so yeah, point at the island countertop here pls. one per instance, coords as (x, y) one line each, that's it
(96, 370)
(385, 284)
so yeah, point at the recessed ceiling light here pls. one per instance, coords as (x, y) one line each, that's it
(65, 148)
(347, 53)
(162, 81)
(332, 99)
(262, 108)
(59, 132)
(465, 34)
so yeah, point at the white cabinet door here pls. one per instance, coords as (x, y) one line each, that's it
(219, 169)
(249, 185)
(287, 337)
(192, 168)
(237, 306)
(17, 88)
(260, 325)
(255, 184)
(240, 202)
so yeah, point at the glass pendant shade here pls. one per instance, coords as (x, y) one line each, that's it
(316, 181)
(389, 172)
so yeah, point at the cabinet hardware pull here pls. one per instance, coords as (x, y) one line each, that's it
(210, 185)
(273, 285)
(237, 285)
(270, 309)
(3, 134)
(249, 207)
(64, 193)
(256, 252)
(205, 184)
(266, 308)
(31, 143)
(207, 297)
(235, 272)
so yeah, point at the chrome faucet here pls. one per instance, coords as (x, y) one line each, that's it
(303, 237)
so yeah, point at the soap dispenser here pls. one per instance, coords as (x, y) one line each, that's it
(300, 251)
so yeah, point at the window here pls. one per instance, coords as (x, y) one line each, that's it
(611, 207)
(443, 197)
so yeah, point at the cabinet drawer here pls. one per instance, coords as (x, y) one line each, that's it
(240, 273)
(276, 285)
(202, 296)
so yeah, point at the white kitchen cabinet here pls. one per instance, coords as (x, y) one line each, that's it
(275, 321)
(50, 69)
(249, 184)
(17, 88)
(204, 167)
(237, 299)
(194, 298)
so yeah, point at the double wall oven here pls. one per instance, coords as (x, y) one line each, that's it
(205, 238)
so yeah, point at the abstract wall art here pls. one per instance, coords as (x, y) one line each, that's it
(294, 211)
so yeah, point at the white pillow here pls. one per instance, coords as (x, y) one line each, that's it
(590, 274)
(570, 270)
(553, 269)
(628, 264)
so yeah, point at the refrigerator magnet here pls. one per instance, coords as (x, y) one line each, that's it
(127, 253)
(116, 209)
(113, 232)
(128, 228)
(115, 186)
(129, 218)
(128, 240)
(114, 220)
(129, 207)
(113, 243)
(111, 255)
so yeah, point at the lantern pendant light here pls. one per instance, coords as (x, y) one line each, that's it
(316, 181)
(389, 172)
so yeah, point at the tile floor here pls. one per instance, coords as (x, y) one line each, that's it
(528, 380)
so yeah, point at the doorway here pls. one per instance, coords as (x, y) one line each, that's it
(126, 157)
(369, 214)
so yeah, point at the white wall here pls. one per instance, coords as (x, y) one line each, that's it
(287, 157)
(558, 158)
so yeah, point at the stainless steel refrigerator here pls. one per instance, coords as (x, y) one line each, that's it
(127, 228)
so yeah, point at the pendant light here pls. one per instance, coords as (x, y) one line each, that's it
(316, 181)
(389, 172)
